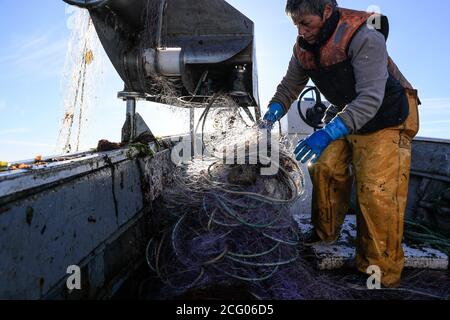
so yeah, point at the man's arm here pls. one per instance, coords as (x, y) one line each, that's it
(369, 58)
(292, 84)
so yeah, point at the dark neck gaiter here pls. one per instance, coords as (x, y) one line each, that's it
(327, 31)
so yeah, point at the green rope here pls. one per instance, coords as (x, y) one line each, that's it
(420, 234)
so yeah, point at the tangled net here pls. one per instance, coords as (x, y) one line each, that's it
(226, 222)
(80, 80)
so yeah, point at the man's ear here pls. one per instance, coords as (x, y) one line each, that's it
(327, 12)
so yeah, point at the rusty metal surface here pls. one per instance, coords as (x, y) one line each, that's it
(431, 157)
(46, 227)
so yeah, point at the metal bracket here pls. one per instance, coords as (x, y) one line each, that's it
(134, 124)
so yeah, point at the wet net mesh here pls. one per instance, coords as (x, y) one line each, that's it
(225, 223)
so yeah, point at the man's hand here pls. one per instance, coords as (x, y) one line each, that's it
(265, 125)
(312, 147)
(274, 114)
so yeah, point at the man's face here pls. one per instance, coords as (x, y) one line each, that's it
(310, 25)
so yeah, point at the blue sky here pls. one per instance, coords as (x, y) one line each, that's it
(34, 38)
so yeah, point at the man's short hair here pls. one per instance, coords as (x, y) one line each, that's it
(315, 7)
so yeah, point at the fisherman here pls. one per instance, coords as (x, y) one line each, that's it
(367, 134)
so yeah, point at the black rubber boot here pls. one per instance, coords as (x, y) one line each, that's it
(312, 239)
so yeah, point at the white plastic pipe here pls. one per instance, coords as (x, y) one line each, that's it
(163, 61)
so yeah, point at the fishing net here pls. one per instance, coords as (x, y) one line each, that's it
(80, 80)
(226, 222)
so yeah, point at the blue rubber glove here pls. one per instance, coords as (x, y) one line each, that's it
(274, 114)
(312, 147)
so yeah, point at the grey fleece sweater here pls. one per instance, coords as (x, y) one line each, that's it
(369, 57)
